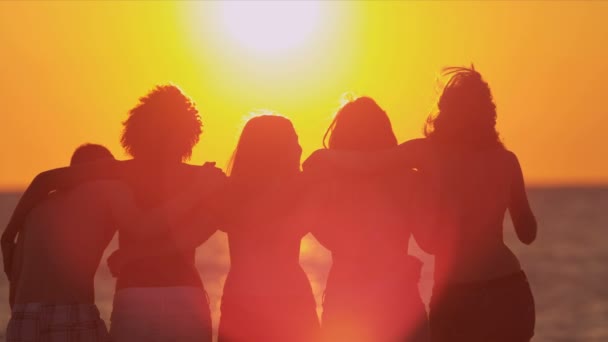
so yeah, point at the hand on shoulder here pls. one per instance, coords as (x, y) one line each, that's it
(209, 176)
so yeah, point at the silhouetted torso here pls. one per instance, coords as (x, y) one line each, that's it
(65, 237)
(267, 296)
(475, 190)
(371, 292)
(153, 185)
(264, 244)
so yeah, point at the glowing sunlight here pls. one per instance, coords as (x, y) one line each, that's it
(270, 27)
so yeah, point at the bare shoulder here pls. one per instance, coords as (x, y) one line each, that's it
(511, 160)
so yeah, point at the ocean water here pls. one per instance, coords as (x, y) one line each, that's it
(567, 265)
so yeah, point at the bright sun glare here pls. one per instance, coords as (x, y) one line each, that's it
(270, 27)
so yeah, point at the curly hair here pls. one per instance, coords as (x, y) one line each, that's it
(164, 125)
(360, 124)
(466, 115)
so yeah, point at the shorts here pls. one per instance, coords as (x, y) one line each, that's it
(500, 309)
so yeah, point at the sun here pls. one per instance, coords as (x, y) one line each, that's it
(270, 27)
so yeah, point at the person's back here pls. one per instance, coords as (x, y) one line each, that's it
(480, 292)
(476, 192)
(64, 239)
(152, 186)
(265, 252)
(163, 291)
(267, 296)
(59, 249)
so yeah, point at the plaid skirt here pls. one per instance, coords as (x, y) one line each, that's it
(35, 322)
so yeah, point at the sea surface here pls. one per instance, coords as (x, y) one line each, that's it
(567, 265)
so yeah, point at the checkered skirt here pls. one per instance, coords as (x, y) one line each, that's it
(56, 323)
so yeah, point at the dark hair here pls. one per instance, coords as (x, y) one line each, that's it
(360, 124)
(164, 125)
(268, 148)
(466, 115)
(90, 153)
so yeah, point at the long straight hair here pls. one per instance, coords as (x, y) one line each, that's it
(268, 148)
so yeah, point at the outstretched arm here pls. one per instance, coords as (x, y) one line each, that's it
(192, 230)
(38, 190)
(51, 180)
(187, 220)
(208, 182)
(410, 154)
(519, 207)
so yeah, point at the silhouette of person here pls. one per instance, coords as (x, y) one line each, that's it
(60, 246)
(480, 291)
(160, 297)
(46, 254)
(267, 296)
(366, 222)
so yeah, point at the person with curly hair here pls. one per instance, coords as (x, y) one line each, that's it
(159, 297)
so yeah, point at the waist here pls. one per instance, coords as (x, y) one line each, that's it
(159, 273)
(57, 313)
(394, 264)
(160, 301)
(265, 266)
(507, 280)
(284, 281)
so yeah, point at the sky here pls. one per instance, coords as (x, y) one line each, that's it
(72, 70)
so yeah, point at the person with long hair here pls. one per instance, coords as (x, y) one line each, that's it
(480, 291)
(267, 296)
(160, 297)
(372, 288)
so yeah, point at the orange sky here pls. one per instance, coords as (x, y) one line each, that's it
(71, 71)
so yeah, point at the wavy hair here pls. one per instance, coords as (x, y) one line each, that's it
(164, 125)
(360, 124)
(466, 113)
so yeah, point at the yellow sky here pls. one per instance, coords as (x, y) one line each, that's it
(71, 71)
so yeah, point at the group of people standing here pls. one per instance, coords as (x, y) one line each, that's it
(362, 198)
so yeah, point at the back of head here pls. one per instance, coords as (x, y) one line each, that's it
(268, 148)
(164, 126)
(466, 116)
(360, 124)
(90, 153)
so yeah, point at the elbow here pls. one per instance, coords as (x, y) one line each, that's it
(528, 239)
(527, 231)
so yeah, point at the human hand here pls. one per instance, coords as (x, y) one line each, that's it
(211, 177)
